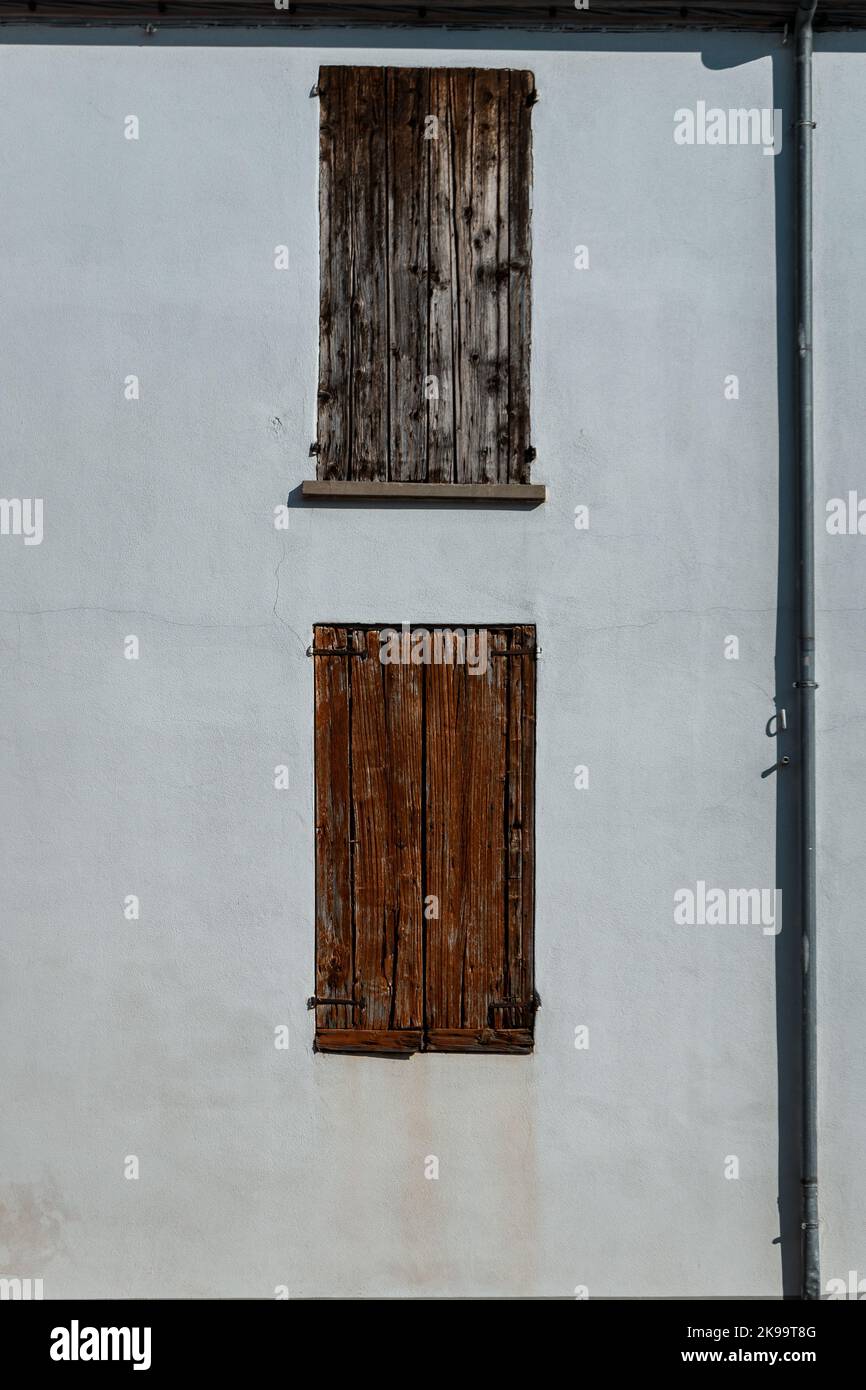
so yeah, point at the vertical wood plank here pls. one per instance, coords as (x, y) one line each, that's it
(449, 89)
(525, 969)
(501, 288)
(465, 781)
(484, 891)
(519, 259)
(386, 800)
(408, 104)
(445, 844)
(519, 831)
(403, 728)
(368, 270)
(514, 837)
(483, 283)
(467, 466)
(335, 351)
(334, 946)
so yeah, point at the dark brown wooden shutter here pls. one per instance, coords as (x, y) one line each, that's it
(425, 274)
(424, 793)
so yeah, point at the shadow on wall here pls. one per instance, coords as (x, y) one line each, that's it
(787, 942)
(786, 742)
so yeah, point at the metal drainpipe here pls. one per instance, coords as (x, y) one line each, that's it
(811, 1265)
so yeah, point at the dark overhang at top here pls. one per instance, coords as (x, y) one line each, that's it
(598, 15)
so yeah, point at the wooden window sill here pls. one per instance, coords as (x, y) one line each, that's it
(531, 493)
(411, 1041)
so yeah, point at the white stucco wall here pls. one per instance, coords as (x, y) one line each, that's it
(259, 1167)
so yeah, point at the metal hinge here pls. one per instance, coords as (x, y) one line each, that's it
(529, 1005)
(315, 1002)
(338, 651)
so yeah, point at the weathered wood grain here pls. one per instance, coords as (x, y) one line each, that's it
(478, 1040)
(436, 767)
(522, 955)
(381, 1042)
(407, 106)
(465, 866)
(513, 983)
(518, 984)
(518, 259)
(445, 844)
(386, 801)
(482, 292)
(443, 319)
(368, 268)
(484, 888)
(425, 263)
(467, 443)
(335, 314)
(499, 381)
(334, 937)
(403, 697)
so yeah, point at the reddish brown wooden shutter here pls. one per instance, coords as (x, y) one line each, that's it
(480, 746)
(424, 793)
(368, 847)
(425, 274)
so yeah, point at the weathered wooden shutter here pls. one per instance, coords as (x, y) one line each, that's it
(425, 274)
(424, 795)
(368, 847)
(480, 750)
